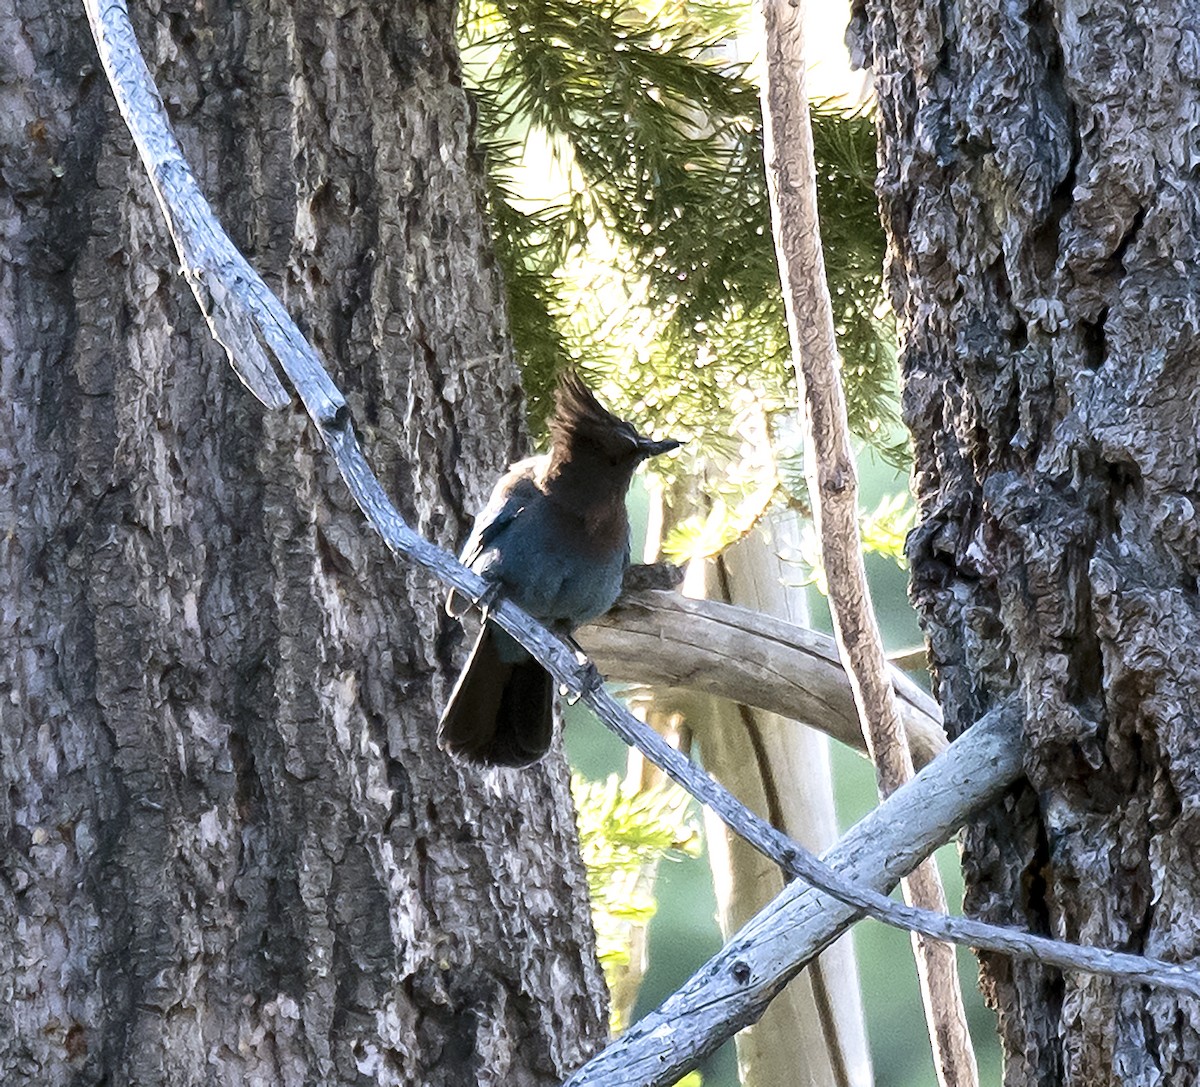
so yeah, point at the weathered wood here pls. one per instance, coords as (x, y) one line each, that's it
(814, 1030)
(667, 640)
(732, 989)
(792, 857)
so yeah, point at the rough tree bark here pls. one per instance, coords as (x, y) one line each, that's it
(231, 852)
(1040, 192)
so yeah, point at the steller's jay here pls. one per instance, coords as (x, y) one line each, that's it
(553, 539)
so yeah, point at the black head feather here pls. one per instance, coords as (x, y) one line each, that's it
(580, 417)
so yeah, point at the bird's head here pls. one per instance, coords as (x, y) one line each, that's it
(583, 429)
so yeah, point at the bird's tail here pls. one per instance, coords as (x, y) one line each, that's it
(500, 713)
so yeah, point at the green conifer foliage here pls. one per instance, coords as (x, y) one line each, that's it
(660, 134)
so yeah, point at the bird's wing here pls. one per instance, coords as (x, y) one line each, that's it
(509, 497)
(516, 488)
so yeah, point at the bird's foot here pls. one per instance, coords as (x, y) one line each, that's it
(587, 680)
(486, 599)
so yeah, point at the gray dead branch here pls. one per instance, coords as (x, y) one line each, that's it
(240, 294)
(667, 640)
(733, 988)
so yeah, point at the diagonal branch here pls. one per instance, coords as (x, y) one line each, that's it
(832, 474)
(733, 989)
(144, 115)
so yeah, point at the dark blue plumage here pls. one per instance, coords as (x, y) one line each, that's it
(554, 539)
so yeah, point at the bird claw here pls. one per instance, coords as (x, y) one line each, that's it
(486, 599)
(587, 681)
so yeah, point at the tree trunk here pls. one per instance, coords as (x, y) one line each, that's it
(1039, 189)
(813, 1032)
(232, 852)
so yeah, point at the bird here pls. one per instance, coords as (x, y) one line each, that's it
(553, 539)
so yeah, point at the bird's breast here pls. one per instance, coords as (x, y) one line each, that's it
(558, 567)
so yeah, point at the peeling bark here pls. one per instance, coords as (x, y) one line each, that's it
(232, 852)
(1038, 185)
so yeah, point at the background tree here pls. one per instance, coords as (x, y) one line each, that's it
(232, 852)
(1039, 191)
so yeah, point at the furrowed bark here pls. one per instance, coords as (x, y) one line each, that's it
(1039, 190)
(232, 852)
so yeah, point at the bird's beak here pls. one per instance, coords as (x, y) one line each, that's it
(649, 448)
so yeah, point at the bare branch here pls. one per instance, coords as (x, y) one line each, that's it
(110, 17)
(664, 639)
(235, 301)
(733, 988)
(832, 474)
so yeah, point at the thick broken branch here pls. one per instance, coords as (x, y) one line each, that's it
(664, 639)
(734, 988)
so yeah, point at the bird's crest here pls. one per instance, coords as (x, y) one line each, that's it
(579, 415)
